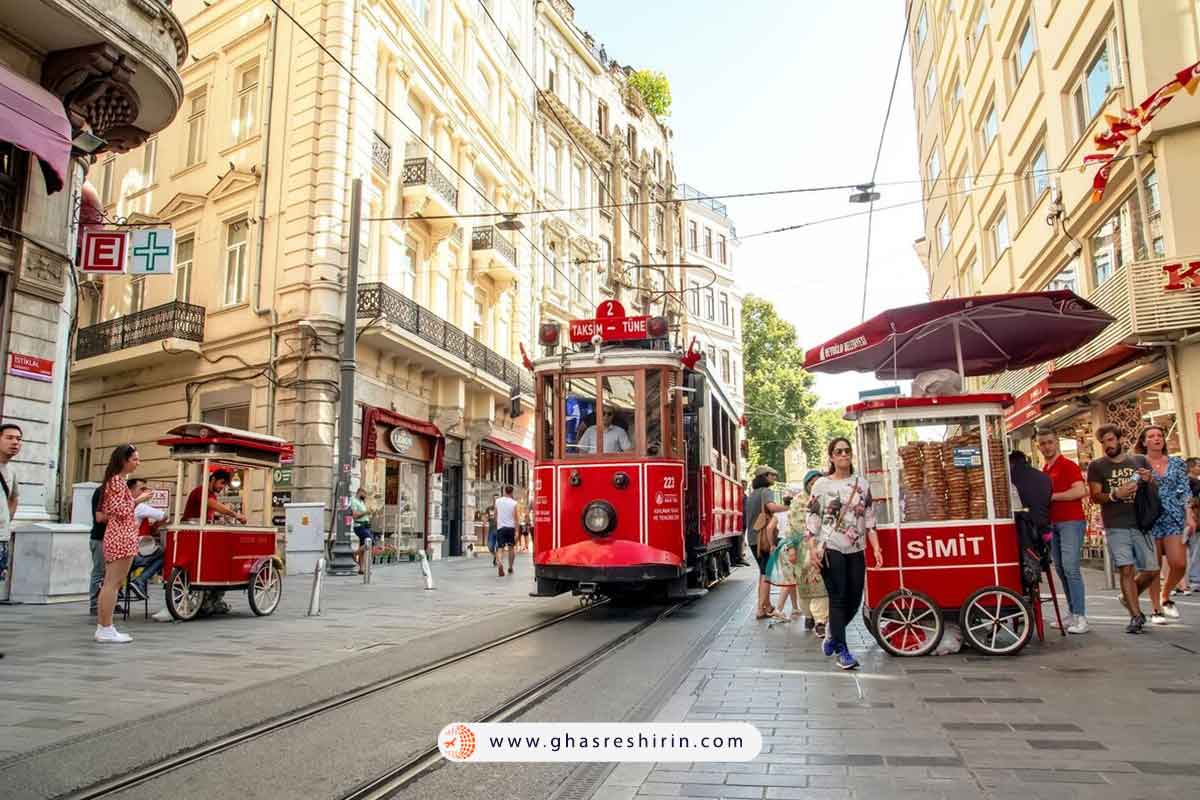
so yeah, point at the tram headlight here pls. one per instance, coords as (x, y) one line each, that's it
(599, 517)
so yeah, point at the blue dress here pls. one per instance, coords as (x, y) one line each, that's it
(1174, 492)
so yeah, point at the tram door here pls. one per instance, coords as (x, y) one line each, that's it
(693, 404)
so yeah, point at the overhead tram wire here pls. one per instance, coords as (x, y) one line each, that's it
(432, 150)
(567, 132)
(879, 152)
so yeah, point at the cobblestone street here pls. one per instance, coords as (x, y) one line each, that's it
(1042, 724)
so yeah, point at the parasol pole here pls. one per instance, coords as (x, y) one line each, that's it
(962, 379)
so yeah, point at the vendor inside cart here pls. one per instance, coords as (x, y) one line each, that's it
(213, 602)
(216, 484)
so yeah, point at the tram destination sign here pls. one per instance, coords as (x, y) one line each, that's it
(611, 324)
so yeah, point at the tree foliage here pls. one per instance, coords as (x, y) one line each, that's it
(823, 425)
(655, 90)
(778, 392)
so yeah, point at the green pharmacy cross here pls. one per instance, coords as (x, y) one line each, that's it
(151, 250)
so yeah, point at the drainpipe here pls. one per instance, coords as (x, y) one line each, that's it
(262, 217)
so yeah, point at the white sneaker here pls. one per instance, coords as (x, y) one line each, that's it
(1170, 609)
(1068, 620)
(162, 615)
(1078, 625)
(1157, 618)
(111, 635)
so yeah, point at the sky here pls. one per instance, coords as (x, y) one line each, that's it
(777, 94)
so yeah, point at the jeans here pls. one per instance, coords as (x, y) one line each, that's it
(97, 546)
(844, 575)
(149, 565)
(1193, 573)
(1066, 548)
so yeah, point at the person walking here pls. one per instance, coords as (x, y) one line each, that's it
(506, 530)
(120, 538)
(1067, 526)
(1113, 481)
(96, 543)
(809, 596)
(1193, 576)
(757, 502)
(11, 438)
(840, 523)
(1174, 494)
(362, 527)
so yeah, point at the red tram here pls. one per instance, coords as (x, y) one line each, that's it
(637, 478)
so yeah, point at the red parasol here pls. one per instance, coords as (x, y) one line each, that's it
(979, 335)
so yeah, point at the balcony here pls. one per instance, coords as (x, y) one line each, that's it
(381, 154)
(493, 255)
(139, 339)
(413, 329)
(429, 192)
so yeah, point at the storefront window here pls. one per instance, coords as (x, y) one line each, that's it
(941, 469)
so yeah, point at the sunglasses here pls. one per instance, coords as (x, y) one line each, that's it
(841, 451)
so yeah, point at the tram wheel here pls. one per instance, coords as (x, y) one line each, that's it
(908, 623)
(183, 602)
(997, 621)
(266, 589)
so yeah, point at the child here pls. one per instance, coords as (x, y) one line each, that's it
(813, 600)
(783, 570)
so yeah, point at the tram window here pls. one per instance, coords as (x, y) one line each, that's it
(654, 422)
(548, 418)
(620, 400)
(579, 415)
(671, 428)
(716, 435)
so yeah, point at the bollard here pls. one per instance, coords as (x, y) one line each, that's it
(1109, 575)
(368, 557)
(314, 600)
(426, 571)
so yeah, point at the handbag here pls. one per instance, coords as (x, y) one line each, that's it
(1146, 506)
(764, 517)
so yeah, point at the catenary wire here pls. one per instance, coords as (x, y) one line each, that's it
(432, 150)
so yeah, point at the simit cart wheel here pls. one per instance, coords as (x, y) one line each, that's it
(266, 587)
(997, 621)
(908, 623)
(183, 602)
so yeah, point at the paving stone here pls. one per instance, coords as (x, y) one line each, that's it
(706, 790)
(1058, 776)
(1166, 768)
(992, 727)
(47, 723)
(1065, 727)
(750, 779)
(1065, 744)
(924, 761)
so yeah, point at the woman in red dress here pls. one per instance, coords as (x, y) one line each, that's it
(120, 538)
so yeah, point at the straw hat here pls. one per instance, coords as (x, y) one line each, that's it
(765, 469)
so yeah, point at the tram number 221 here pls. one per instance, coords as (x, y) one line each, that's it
(668, 482)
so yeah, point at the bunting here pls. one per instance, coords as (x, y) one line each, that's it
(1112, 139)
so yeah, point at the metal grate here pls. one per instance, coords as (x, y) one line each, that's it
(174, 320)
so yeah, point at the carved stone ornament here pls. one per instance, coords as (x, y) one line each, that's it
(41, 272)
(95, 85)
(557, 226)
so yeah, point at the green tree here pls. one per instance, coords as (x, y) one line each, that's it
(778, 392)
(823, 424)
(655, 90)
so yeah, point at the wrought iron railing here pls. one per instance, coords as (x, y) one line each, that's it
(381, 153)
(174, 320)
(423, 172)
(379, 301)
(487, 237)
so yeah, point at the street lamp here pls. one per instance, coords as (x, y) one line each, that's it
(866, 194)
(510, 223)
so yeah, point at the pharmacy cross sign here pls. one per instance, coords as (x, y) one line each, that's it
(152, 251)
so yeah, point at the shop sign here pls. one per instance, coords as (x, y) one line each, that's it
(282, 476)
(279, 520)
(152, 251)
(160, 498)
(31, 367)
(1022, 417)
(1181, 277)
(104, 252)
(610, 324)
(279, 499)
(1027, 406)
(400, 439)
(965, 457)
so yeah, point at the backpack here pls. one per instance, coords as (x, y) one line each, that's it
(1147, 507)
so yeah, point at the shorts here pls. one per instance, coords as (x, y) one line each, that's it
(363, 532)
(761, 559)
(1131, 547)
(505, 537)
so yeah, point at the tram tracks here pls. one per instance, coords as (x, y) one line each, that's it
(390, 783)
(144, 774)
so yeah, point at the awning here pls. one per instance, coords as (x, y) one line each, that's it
(1079, 375)
(33, 119)
(373, 415)
(523, 453)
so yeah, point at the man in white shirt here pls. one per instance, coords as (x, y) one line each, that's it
(10, 445)
(506, 529)
(616, 440)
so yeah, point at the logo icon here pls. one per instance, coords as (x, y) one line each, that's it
(457, 742)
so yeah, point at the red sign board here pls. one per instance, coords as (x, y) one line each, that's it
(1181, 277)
(288, 454)
(1028, 406)
(32, 367)
(104, 252)
(610, 324)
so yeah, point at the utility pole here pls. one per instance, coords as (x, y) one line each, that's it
(343, 555)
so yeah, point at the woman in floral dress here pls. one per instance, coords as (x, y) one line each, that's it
(840, 523)
(1174, 494)
(120, 538)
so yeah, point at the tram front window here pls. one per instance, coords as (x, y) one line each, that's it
(609, 431)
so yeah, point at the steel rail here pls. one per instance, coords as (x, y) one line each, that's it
(396, 779)
(192, 755)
